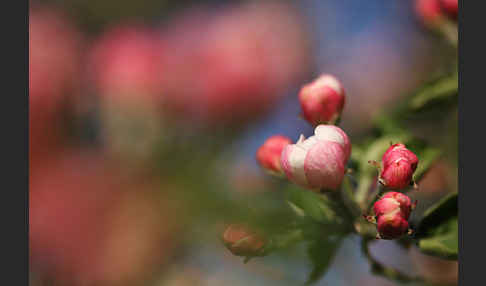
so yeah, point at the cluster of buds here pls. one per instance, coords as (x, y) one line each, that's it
(393, 209)
(391, 215)
(322, 100)
(318, 163)
(242, 241)
(398, 166)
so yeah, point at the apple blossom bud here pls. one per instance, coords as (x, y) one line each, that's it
(392, 212)
(393, 201)
(429, 11)
(243, 242)
(334, 134)
(399, 164)
(322, 100)
(397, 151)
(450, 7)
(318, 162)
(392, 226)
(268, 155)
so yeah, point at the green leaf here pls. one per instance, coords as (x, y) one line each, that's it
(443, 243)
(308, 204)
(427, 157)
(437, 232)
(437, 92)
(321, 253)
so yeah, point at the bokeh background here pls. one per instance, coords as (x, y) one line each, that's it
(145, 117)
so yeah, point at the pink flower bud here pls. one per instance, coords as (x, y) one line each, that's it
(399, 164)
(322, 100)
(397, 175)
(319, 161)
(334, 134)
(397, 151)
(392, 212)
(243, 242)
(450, 7)
(268, 155)
(392, 202)
(429, 11)
(392, 226)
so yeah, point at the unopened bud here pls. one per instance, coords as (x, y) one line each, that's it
(429, 11)
(392, 226)
(399, 164)
(397, 151)
(450, 7)
(392, 212)
(268, 155)
(318, 162)
(242, 241)
(322, 100)
(393, 201)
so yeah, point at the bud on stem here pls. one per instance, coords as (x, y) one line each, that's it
(242, 241)
(391, 215)
(318, 162)
(398, 166)
(322, 100)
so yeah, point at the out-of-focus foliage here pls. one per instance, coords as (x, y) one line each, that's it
(438, 229)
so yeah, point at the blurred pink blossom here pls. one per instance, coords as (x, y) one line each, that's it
(233, 65)
(54, 58)
(125, 65)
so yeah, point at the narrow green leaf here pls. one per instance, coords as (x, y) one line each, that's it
(439, 91)
(321, 253)
(443, 242)
(438, 229)
(438, 213)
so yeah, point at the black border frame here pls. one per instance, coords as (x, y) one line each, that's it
(15, 160)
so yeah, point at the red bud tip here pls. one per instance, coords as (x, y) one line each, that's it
(268, 155)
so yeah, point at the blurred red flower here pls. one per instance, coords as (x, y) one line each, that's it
(91, 224)
(54, 57)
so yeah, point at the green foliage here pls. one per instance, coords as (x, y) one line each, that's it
(437, 233)
(321, 252)
(438, 92)
(318, 208)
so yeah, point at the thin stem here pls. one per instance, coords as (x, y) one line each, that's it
(386, 271)
(363, 188)
(347, 196)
